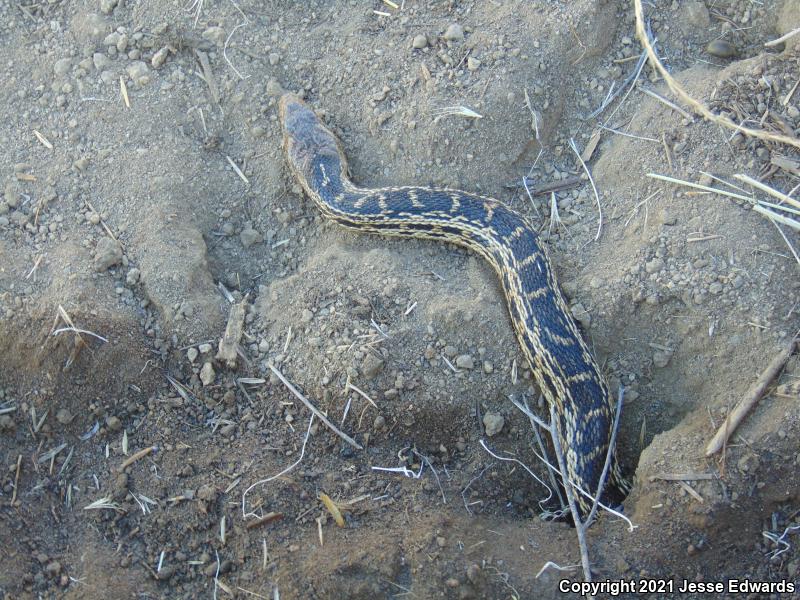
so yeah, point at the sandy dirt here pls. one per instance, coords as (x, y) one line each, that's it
(143, 215)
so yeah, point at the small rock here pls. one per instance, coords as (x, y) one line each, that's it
(100, 61)
(139, 72)
(166, 572)
(473, 573)
(379, 422)
(207, 374)
(205, 348)
(419, 42)
(107, 6)
(654, 266)
(465, 362)
(307, 316)
(6, 423)
(191, 354)
(62, 66)
(133, 276)
(273, 88)
(249, 236)
(473, 64)
(696, 13)
(488, 367)
(274, 58)
(715, 288)
(661, 358)
(215, 34)
(206, 492)
(113, 423)
(454, 33)
(581, 315)
(371, 366)
(64, 417)
(493, 422)
(451, 582)
(108, 253)
(440, 541)
(721, 49)
(159, 58)
(53, 568)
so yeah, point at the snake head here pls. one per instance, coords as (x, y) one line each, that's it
(305, 138)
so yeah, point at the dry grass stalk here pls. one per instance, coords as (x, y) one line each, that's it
(16, 480)
(267, 518)
(332, 508)
(750, 399)
(698, 107)
(783, 38)
(767, 189)
(136, 456)
(594, 188)
(318, 413)
(123, 91)
(236, 168)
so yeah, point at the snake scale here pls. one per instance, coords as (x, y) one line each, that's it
(566, 372)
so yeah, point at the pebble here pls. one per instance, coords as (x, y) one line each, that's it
(191, 354)
(6, 423)
(53, 568)
(273, 88)
(133, 276)
(113, 423)
(64, 417)
(166, 572)
(205, 348)
(581, 315)
(274, 58)
(454, 33)
(108, 253)
(654, 266)
(62, 66)
(139, 72)
(250, 236)
(473, 64)
(207, 374)
(473, 573)
(493, 422)
(465, 362)
(100, 61)
(107, 6)
(215, 34)
(722, 49)
(379, 422)
(371, 366)
(159, 58)
(307, 316)
(419, 42)
(488, 367)
(661, 359)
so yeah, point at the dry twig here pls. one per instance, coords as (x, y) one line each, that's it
(750, 399)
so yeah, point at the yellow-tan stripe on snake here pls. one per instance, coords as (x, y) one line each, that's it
(565, 371)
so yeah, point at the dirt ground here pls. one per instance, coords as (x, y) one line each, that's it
(144, 194)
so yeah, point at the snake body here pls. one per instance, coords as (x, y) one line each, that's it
(566, 372)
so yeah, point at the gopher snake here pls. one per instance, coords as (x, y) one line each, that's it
(564, 368)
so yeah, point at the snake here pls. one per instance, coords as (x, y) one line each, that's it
(564, 369)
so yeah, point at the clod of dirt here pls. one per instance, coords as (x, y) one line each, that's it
(454, 33)
(207, 374)
(250, 236)
(108, 253)
(493, 422)
(371, 366)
